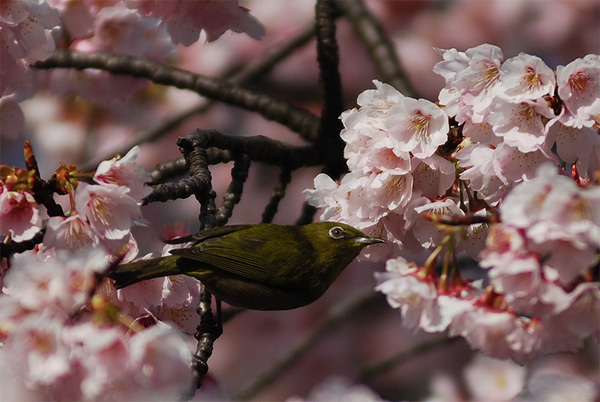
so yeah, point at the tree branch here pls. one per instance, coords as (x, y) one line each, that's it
(297, 119)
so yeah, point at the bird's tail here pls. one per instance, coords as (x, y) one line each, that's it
(133, 272)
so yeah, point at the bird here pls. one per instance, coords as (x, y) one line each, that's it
(261, 266)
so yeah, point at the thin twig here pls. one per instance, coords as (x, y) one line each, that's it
(329, 140)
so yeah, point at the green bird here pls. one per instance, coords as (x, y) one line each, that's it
(261, 266)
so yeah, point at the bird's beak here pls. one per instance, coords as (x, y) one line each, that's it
(368, 240)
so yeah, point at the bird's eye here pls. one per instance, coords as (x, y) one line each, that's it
(337, 233)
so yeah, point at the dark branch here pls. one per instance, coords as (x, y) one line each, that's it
(329, 140)
(12, 247)
(297, 119)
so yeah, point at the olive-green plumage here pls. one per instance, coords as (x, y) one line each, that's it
(261, 266)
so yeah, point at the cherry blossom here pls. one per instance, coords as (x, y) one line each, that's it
(548, 237)
(125, 172)
(434, 175)
(418, 126)
(521, 125)
(19, 214)
(526, 77)
(120, 30)
(71, 233)
(551, 206)
(109, 210)
(12, 118)
(558, 380)
(577, 146)
(26, 29)
(46, 338)
(494, 380)
(25, 37)
(498, 334)
(162, 359)
(36, 351)
(406, 291)
(479, 83)
(185, 19)
(579, 89)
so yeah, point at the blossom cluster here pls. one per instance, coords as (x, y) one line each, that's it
(438, 176)
(61, 321)
(58, 344)
(101, 214)
(31, 29)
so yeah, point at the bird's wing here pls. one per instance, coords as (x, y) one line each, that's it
(208, 233)
(243, 256)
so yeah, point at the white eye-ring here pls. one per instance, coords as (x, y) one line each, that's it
(337, 232)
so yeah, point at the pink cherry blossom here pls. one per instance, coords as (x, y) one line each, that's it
(574, 146)
(405, 291)
(71, 233)
(26, 26)
(482, 172)
(521, 124)
(579, 88)
(108, 209)
(481, 133)
(559, 379)
(36, 351)
(433, 176)
(579, 319)
(514, 272)
(19, 214)
(179, 300)
(526, 77)
(446, 309)
(494, 380)
(492, 172)
(161, 358)
(418, 126)
(428, 233)
(388, 191)
(479, 83)
(376, 103)
(77, 17)
(125, 172)
(185, 19)
(454, 63)
(116, 29)
(326, 195)
(551, 206)
(120, 30)
(100, 355)
(498, 334)
(25, 37)
(56, 284)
